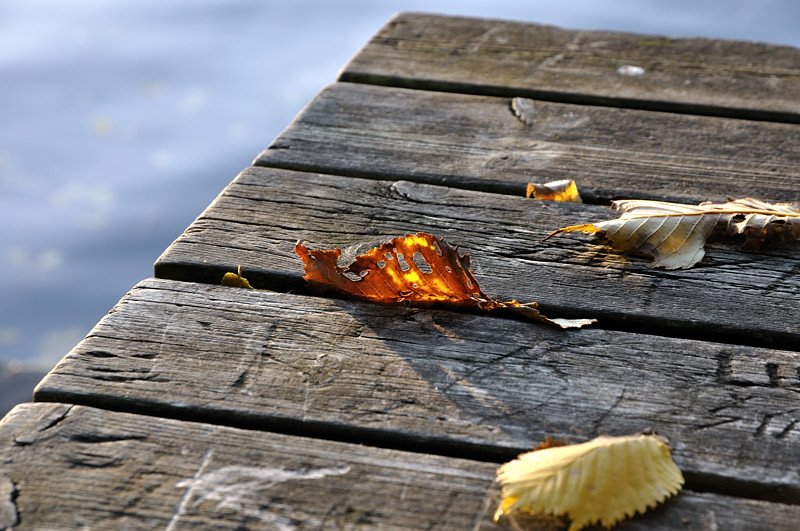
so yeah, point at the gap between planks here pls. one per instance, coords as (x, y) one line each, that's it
(477, 143)
(196, 474)
(260, 216)
(723, 78)
(395, 378)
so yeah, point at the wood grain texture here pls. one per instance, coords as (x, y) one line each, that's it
(721, 77)
(257, 220)
(440, 381)
(79, 468)
(122, 471)
(478, 142)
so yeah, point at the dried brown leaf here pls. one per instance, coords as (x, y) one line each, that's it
(675, 234)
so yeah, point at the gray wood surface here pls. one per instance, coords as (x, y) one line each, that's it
(184, 475)
(85, 468)
(519, 59)
(467, 385)
(73, 467)
(257, 220)
(478, 142)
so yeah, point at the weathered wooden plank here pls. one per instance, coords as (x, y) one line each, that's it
(462, 384)
(257, 220)
(478, 142)
(704, 76)
(79, 468)
(73, 467)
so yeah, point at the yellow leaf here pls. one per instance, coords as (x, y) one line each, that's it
(565, 191)
(604, 480)
(236, 281)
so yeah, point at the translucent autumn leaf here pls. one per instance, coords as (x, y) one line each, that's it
(604, 480)
(565, 191)
(674, 234)
(418, 269)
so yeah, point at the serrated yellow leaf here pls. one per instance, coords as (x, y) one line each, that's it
(604, 480)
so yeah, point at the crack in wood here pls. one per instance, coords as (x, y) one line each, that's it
(93, 460)
(765, 420)
(54, 421)
(786, 430)
(99, 354)
(99, 437)
(9, 516)
(34, 434)
(596, 425)
(773, 373)
(724, 368)
(240, 381)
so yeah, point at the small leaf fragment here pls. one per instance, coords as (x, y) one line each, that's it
(531, 311)
(604, 480)
(549, 443)
(565, 191)
(418, 269)
(236, 280)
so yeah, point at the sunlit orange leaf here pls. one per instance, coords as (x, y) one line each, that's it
(604, 480)
(236, 281)
(565, 191)
(417, 269)
(548, 443)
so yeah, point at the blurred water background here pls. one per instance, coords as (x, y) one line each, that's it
(120, 121)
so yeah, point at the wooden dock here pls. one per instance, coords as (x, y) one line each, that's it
(193, 405)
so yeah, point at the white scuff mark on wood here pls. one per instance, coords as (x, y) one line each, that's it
(426, 319)
(424, 469)
(306, 395)
(487, 37)
(481, 396)
(181, 510)
(630, 70)
(483, 508)
(710, 521)
(164, 334)
(572, 46)
(9, 517)
(239, 488)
